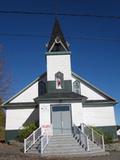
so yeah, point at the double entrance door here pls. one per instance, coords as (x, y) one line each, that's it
(61, 120)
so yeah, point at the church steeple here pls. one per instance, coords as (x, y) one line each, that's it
(58, 58)
(57, 41)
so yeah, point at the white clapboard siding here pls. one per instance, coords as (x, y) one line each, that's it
(15, 118)
(90, 93)
(27, 95)
(77, 113)
(58, 63)
(44, 111)
(99, 116)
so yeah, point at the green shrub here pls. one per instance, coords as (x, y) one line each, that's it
(2, 133)
(26, 131)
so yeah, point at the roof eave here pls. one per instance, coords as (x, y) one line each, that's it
(99, 102)
(29, 85)
(60, 100)
(20, 105)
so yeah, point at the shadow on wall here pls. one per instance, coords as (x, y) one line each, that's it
(34, 117)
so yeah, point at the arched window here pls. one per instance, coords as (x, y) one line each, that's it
(76, 87)
(59, 80)
(42, 88)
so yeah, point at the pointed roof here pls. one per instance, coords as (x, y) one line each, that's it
(57, 38)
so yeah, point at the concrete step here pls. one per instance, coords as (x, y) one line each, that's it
(64, 149)
(62, 139)
(63, 154)
(62, 136)
(63, 144)
(80, 154)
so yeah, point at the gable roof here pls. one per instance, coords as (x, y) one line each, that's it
(108, 98)
(29, 85)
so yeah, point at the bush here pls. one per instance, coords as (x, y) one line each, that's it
(26, 131)
(2, 134)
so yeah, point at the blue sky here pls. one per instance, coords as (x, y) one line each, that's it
(98, 61)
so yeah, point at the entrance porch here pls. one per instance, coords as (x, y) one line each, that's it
(60, 116)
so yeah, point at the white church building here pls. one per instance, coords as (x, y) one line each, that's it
(59, 97)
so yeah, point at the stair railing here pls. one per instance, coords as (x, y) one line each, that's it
(44, 142)
(93, 135)
(46, 134)
(31, 139)
(81, 137)
(98, 139)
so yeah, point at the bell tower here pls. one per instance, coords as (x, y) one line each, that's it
(58, 58)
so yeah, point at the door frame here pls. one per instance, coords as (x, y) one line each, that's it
(60, 105)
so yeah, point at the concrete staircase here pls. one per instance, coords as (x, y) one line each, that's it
(67, 145)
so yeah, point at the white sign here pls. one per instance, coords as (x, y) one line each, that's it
(118, 132)
(47, 129)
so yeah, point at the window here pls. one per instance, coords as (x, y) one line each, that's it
(42, 88)
(76, 87)
(59, 80)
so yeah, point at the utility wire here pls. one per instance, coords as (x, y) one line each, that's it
(18, 35)
(22, 35)
(95, 38)
(59, 14)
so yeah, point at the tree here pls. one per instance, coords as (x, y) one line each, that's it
(4, 85)
(4, 79)
(2, 123)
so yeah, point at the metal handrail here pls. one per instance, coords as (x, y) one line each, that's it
(93, 135)
(98, 139)
(31, 139)
(44, 142)
(39, 133)
(87, 131)
(45, 137)
(81, 137)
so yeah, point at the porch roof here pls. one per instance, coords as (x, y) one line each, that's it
(20, 105)
(60, 97)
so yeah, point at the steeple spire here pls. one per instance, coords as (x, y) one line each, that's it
(57, 41)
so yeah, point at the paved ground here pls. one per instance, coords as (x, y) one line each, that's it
(13, 152)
